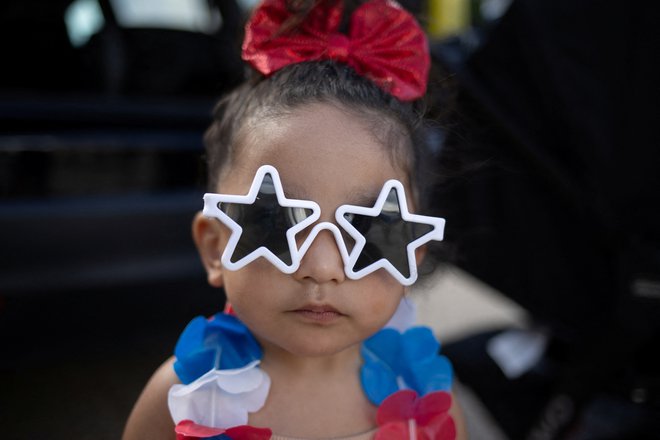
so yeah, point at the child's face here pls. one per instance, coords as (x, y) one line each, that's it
(331, 157)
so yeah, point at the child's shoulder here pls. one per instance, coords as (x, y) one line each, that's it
(150, 416)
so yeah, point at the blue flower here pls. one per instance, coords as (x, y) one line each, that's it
(394, 361)
(222, 342)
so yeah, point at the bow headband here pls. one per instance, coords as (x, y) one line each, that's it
(384, 44)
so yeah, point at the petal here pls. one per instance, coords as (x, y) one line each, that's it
(399, 406)
(191, 402)
(378, 381)
(256, 399)
(233, 409)
(194, 365)
(229, 412)
(419, 343)
(385, 346)
(240, 380)
(180, 390)
(195, 405)
(246, 432)
(237, 345)
(431, 406)
(191, 336)
(191, 429)
(193, 358)
(441, 427)
(434, 374)
(228, 324)
(393, 431)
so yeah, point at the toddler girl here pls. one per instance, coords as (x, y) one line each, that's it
(310, 231)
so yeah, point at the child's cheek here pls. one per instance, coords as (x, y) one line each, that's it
(253, 284)
(382, 295)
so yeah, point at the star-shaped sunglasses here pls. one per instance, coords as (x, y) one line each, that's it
(264, 223)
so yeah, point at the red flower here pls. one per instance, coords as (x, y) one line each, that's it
(189, 430)
(405, 416)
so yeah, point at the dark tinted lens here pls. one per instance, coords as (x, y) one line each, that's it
(387, 235)
(264, 223)
(296, 215)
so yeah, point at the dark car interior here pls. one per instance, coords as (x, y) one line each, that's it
(100, 177)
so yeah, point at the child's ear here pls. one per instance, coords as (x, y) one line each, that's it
(207, 234)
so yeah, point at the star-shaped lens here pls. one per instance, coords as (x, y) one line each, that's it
(263, 222)
(387, 235)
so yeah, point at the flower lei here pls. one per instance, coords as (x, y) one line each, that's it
(217, 360)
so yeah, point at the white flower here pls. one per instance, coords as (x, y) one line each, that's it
(220, 398)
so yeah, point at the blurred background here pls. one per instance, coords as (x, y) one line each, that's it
(547, 114)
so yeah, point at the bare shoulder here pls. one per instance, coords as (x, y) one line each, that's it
(150, 418)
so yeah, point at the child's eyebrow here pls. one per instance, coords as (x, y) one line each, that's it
(359, 197)
(293, 191)
(363, 197)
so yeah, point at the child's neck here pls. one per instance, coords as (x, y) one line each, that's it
(315, 396)
(283, 362)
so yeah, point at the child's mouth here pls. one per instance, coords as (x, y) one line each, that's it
(321, 314)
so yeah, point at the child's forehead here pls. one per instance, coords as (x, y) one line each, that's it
(322, 152)
(313, 134)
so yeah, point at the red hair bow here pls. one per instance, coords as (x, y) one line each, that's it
(385, 43)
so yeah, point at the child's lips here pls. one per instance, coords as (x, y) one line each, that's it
(318, 313)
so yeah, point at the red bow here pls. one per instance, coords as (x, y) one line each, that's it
(384, 44)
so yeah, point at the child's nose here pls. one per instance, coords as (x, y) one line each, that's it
(322, 261)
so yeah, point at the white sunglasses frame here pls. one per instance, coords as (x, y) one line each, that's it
(212, 209)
